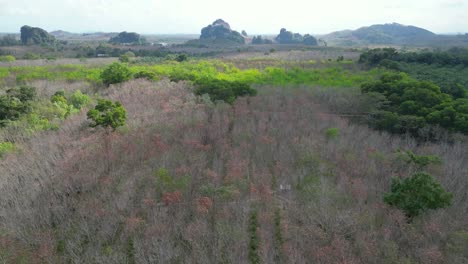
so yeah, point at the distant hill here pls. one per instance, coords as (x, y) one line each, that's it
(220, 30)
(393, 33)
(62, 34)
(35, 36)
(128, 38)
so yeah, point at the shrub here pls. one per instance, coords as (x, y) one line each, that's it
(417, 194)
(7, 58)
(108, 114)
(79, 99)
(6, 147)
(116, 73)
(331, 133)
(124, 58)
(15, 103)
(145, 75)
(254, 241)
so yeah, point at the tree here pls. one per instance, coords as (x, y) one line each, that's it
(16, 102)
(108, 114)
(310, 40)
(417, 194)
(116, 73)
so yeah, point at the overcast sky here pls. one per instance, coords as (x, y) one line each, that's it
(255, 16)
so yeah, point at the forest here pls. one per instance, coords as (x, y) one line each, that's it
(204, 152)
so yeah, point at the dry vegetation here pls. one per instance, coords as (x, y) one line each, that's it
(187, 181)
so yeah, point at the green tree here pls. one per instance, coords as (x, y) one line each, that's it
(108, 114)
(417, 194)
(116, 73)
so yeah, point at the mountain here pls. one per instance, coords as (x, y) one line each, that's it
(35, 36)
(221, 30)
(393, 33)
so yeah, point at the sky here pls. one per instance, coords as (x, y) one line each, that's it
(254, 16)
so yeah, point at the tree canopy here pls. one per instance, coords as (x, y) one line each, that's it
(116, 73)
(128, 38)
(108, 114)
(417, 194)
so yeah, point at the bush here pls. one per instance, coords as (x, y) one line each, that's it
(7, 58)
(15, 103)
(6, 147)
(78, 99)
(116, 73)
(145, 75)
(224, 90)
(417, 194)
(124, 58)
(108, 114)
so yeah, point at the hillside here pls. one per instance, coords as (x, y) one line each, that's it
(381, 34)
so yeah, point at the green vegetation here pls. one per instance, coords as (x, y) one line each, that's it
(7, 58)
(417, 194)
(128, 38)
(332, 133)
(419, 160)
(35, 36)
(409, 105)
(223, 90)
(9, 40)
(6, 147)
(288, 37)
(447, 69)
(332, 76)
(256, 40)
(116, 73)
(15, 103)
(108, 114)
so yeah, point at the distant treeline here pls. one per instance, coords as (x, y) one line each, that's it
(452, 57)
(438, 96)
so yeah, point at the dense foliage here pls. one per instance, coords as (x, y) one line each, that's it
(408, 105)
(108, 114)
(417, 194)
(220, 30)
(9, 40)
